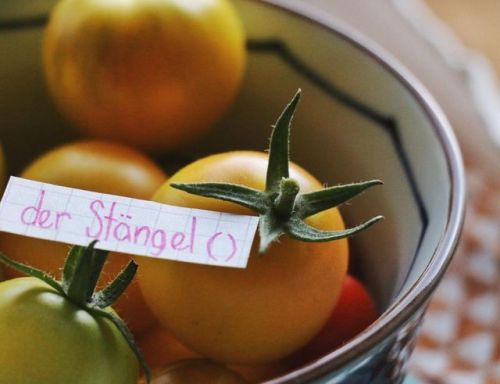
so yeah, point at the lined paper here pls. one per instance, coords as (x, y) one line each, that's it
(127, 225)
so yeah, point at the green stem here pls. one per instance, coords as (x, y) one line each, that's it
(34, 272)
(80, 279)
(279, 147)
(127, 335)
(285, 201)
(281, 208)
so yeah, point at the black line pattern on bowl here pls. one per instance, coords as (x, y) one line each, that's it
(388, 123)
(275, 46)
(23, 23)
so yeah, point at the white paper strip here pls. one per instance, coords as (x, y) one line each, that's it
(126, 225)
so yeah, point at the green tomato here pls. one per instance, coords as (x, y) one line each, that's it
(46, 339)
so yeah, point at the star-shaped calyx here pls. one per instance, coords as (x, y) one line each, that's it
(281, 207)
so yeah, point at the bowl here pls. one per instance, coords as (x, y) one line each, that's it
(362, 117)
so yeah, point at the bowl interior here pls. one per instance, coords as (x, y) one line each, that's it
(358, 120)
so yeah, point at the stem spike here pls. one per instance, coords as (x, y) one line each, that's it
(279, 147)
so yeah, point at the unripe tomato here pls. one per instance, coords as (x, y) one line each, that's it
(258, 314)
(46, 339)
(96, 166)
(151, 73)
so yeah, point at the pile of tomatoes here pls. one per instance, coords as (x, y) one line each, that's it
(154, 76)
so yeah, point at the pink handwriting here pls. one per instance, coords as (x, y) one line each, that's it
(210, 246)
(43, 218)
(109, 226)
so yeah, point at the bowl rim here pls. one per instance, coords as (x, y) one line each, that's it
(398, 313)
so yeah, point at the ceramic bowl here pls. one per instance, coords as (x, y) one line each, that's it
(362, 117)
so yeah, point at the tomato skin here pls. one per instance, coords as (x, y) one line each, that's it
(197, 370)
(46, 339)
(160, 348)
(153, 74)
(252, 315)
(101, 167)
(262, 372)
(355, 311)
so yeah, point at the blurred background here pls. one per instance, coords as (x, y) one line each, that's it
(453, 48)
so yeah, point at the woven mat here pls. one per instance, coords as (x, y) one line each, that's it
(460, 337)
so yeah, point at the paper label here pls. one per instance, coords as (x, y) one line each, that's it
(126, 225)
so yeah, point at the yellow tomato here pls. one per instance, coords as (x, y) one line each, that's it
(96, 166)
(253, 315)
(151, 73)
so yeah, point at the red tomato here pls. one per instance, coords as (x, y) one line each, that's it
(354, 312)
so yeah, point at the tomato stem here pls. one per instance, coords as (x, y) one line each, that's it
(279, 147)
(28, 270)
(282, 209)
(116, 288)
(127, 335)
(311, 203)
(81, 272)
(284, 203)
